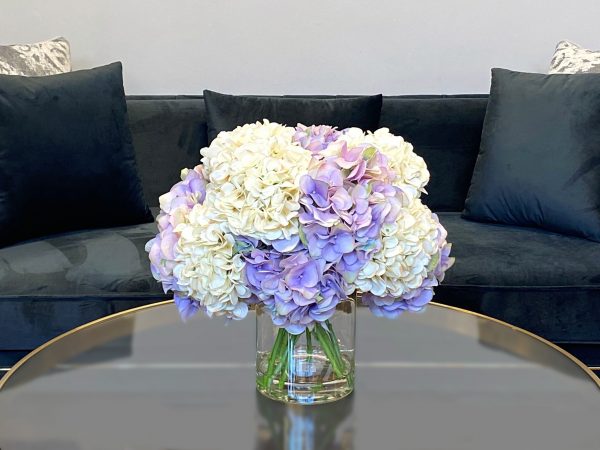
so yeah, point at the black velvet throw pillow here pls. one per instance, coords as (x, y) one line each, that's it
(539, 162)
(66, 158)
(226, 112)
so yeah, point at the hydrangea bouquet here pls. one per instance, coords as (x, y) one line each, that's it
(296, 221)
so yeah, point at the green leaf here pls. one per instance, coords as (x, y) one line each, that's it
(369, 153)
(302, 237)
(242, 247)
(434, 262)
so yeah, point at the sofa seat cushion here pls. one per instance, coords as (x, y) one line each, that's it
(99, 262)
(544, 282)
(541, 281)
(52, 285)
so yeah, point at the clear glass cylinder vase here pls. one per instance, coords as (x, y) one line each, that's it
(316, 366)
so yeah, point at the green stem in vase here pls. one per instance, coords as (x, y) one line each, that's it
(335, 344)
(285, 359)
(283, 371)
(278, 346)
(327, 346)
(283, 355)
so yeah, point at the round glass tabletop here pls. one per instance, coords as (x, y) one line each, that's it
(442, 379)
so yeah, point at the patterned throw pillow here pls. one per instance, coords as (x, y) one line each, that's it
(43, 58)
(571, 58)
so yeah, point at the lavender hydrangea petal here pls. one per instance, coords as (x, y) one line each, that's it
(286, 245)
(186, 306)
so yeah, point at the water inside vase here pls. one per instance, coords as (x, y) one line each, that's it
(309, 377)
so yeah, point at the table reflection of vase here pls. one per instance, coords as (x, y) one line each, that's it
(292, 427)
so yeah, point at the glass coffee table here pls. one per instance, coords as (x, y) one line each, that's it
(442, 379)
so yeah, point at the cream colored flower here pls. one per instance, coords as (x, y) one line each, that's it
(410, 168)
(254, 172)
(402, 264)
(207, 266)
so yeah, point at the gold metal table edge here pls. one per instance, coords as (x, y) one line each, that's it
(553, 346)
(45, 345)
(42, 347)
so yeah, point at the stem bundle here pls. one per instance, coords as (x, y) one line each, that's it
(280, 359)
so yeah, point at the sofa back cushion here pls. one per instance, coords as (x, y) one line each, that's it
(169, 131)
(67, 162)
(226, 112)
(539, 164)
(445, 131)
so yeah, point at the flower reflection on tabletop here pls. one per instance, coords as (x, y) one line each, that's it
(286, 427)
(296, 221)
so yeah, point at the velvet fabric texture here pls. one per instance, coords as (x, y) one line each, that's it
(539, 280)
(544, 282)
(66, 158)
(168, 134)
(539, 163)
(445, 131)
(226, 112)
(108, 261)
(53, 285)
(169, 131)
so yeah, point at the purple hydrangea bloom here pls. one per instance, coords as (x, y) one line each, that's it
(175, 204)
(329, 244)
(315, 138)
(186, 306)
(345, 201)
(262, 272)
(301, 277)
(389, 307)
(297, 289)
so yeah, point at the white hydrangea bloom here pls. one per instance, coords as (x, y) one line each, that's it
(207, 266)
(409, 246)
(410, 168)
(253, 173)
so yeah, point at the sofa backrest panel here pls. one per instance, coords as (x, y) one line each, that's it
(169, 131)
(445, 131)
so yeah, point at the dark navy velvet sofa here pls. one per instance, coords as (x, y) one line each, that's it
(541, 281)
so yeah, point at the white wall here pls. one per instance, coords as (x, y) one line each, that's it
(306, 46)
